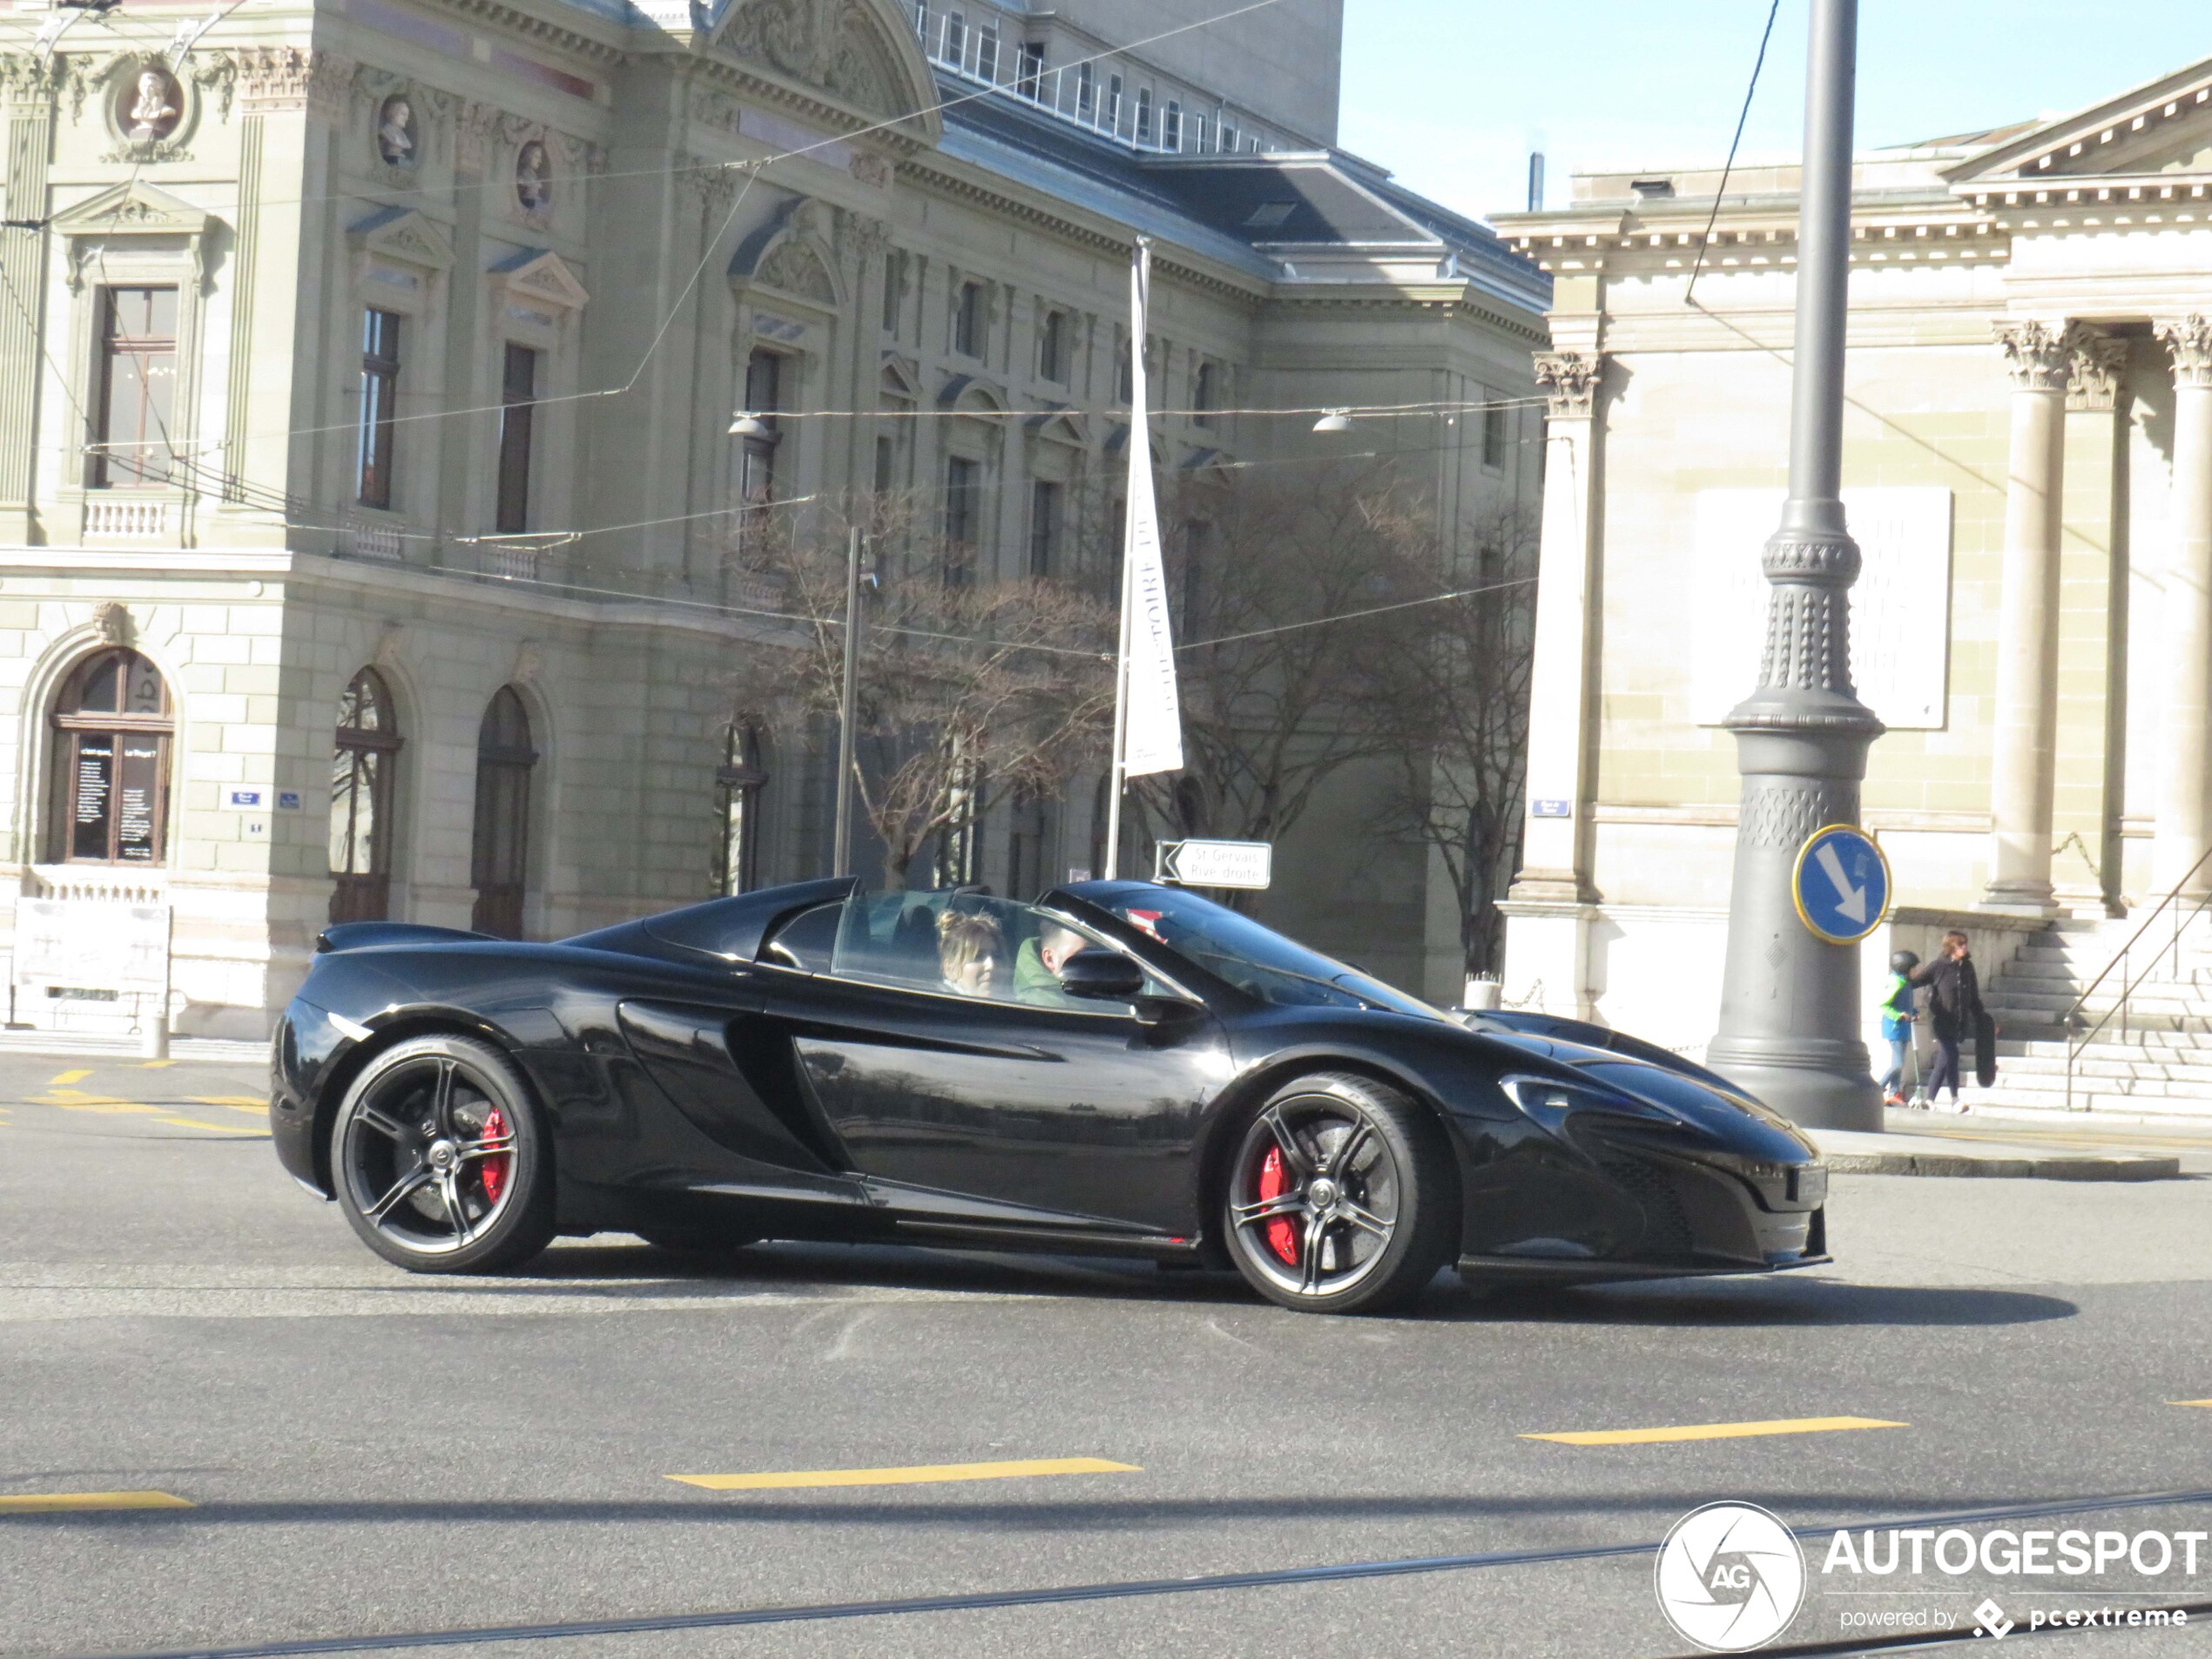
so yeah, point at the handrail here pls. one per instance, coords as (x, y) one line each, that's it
(2074, 1046)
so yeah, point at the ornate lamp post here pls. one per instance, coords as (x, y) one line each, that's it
(1790, 1027)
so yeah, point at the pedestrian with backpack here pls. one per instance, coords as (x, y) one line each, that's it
(1898, 1014)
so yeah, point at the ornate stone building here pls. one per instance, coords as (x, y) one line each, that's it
(2027, 465)
(366, 489)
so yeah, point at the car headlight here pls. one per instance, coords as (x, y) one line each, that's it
(1550, 1102)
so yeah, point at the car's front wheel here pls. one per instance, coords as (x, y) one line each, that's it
(440, 1159)
(1342, 1197)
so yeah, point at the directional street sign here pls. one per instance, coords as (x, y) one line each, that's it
(1215, 864)
(1841, 884)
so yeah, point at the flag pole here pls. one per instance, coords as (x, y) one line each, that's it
(1140, 275)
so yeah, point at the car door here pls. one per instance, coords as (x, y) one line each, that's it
(989, 1110)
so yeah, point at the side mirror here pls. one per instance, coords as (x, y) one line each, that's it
(1104, 975)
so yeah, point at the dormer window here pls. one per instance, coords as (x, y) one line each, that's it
(1269, 216)
(1171, 127)
(1145, 116)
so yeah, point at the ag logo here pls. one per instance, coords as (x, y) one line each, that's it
(1730, 1577)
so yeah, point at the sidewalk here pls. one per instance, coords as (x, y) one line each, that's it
(215, 1050)
(1924, 1142)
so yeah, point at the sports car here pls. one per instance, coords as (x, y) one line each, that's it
(1120, 1068)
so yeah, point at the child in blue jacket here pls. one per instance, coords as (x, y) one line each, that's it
(1897, 1023)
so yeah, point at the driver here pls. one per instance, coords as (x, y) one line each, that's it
(1037, 965)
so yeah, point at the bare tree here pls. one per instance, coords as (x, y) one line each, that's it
(969, 691)
(1272, 570)
(1452, 691)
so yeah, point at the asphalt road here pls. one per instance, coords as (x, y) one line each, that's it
(365, 1455)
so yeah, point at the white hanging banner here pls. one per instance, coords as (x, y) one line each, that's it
(1154, 718)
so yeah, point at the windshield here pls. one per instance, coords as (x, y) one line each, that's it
(1254, 959)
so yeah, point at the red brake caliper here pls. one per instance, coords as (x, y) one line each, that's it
(1282, 1237)
(496, 1166)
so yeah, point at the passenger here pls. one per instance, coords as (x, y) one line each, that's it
(969, 949)
(1897, 1015)
(1037, 965)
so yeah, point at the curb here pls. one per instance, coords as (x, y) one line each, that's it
(1847, 1152)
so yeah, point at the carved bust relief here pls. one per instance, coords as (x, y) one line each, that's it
(149, 104)
(534, 177)
(396, 131)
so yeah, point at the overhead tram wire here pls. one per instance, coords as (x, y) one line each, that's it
(1705, 241)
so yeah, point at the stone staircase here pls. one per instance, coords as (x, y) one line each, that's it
(2155, 1059)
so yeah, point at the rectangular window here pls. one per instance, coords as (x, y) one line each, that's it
(1198, 133)
(1205, 394)
(987, 55)
(1086, 90)
(968, 321)
(1052, 347)
(1171, 127)
(136, 389)
(1124, 383)
(1044, 526)
(764, 396)
(963, 504)
(1031, 79)
(921, 9)
(1493, 435)
(1113, 103)
(955, 38)
(1228, 136)
(1144, 115)
(894, 280)
(380, 396)
(518, 393)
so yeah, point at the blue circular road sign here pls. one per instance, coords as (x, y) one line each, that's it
(1841, 884)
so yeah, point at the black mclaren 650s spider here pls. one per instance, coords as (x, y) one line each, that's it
(1119, 1068)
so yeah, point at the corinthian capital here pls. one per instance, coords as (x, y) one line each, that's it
(2038, 354)
(2098, 361)
(1570, 381)
(2190, 341)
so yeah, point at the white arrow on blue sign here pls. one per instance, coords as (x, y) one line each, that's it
(1841, 884)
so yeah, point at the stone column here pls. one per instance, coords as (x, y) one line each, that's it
(1549, 909)
(2187, 738)
(29, 88)
(1555, 862)
(2040, 356)
(2092, 741)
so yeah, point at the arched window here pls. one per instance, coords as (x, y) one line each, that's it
(738, 783)
(112, 728)
(499, 856)
(362, 760)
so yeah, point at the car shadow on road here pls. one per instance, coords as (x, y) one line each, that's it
(1688, 1303)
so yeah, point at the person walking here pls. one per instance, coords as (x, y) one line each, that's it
(1955, 1010)
(1898, 1014)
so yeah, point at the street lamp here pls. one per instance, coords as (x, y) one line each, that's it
(1789, 1025)
(1334, 420)
(745, 425)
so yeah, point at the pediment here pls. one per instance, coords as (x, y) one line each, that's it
(901, 378)
(969, 395)
(789, 254)
(2162, 126)
(405, 234)
(1059, 425)
(133, 208)
(543, 276)
(861, 53)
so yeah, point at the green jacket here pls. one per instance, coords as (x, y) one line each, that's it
(1036, 983)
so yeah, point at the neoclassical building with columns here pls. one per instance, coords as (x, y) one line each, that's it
(2027, 467)
(367, 489)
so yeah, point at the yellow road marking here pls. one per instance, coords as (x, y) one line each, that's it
(73, 1076)
(39, 1503)
(1714, 1431)
(256, 1104)
(920, 1474)
(154, 1065)
(2190, 1402)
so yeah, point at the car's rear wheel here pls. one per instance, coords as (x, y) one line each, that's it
(441, 1161)
(1341, 1198)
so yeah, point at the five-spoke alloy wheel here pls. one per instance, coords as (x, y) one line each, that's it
(439, 1160)
(1340, 1198)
